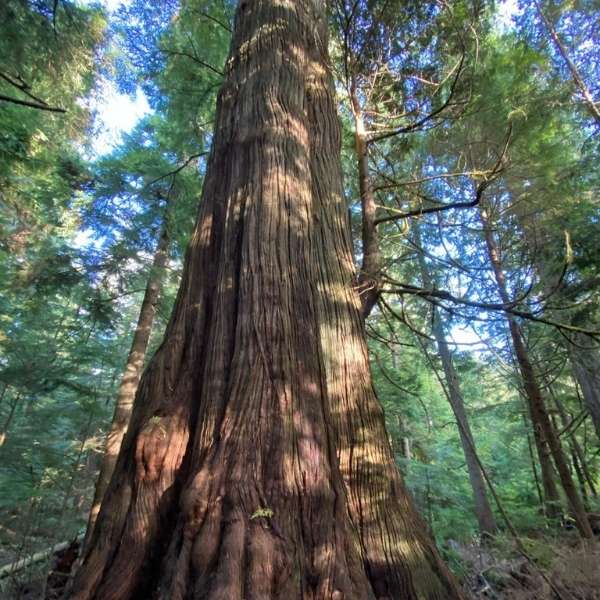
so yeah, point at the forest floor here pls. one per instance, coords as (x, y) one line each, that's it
(564, 569)
(560, 568)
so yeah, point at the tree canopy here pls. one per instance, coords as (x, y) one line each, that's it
(470, 148)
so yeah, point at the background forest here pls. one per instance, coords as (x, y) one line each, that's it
(470, 150)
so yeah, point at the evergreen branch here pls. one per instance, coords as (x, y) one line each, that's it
(31, 104)
(510, 308)
(24, 87)
(493, 174)
(424, 120)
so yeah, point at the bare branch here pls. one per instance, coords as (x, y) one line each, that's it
(509, 308)
(178, 169)
(194, 58)
(214, 20)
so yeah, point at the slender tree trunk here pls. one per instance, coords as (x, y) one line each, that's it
(552, 501)
(9, 419)
(369, 276)
(537, 408)
(257, 464)
(580, 478)
(551, 498)
(574, 465)
(578, 453)
(583, 351)
(534, 472)
(131, 376)
(483, 510)
(584, 357)
(405, 445)
(585, 360)
(576, 76)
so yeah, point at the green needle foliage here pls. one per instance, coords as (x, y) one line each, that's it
(461, 114)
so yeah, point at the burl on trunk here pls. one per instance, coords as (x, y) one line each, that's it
(257, 463)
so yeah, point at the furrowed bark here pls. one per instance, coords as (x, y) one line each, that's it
(537, 408)
(131, 376)
(257, 464)
(483, 510)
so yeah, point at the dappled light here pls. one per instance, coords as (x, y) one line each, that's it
(299, 300)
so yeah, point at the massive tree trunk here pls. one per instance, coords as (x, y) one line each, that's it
(257, 464)
(538, 412)
(131, 375)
